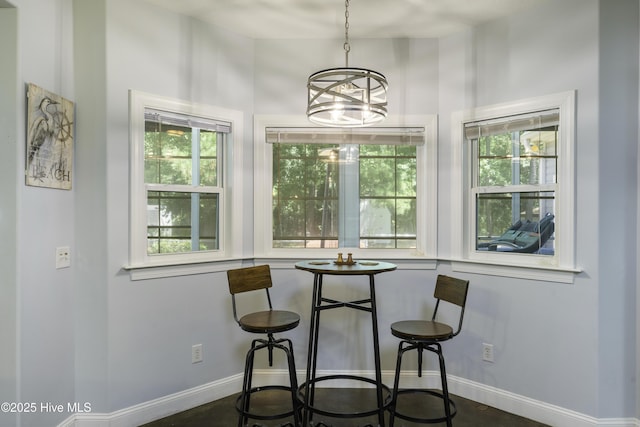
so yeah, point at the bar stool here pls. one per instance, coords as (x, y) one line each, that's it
(423, 335)
(263, 322)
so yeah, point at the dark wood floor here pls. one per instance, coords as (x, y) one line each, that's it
(222, 413)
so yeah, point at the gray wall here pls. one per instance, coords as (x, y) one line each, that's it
(617, 161)
(89, 333)
(545, 333)
(91, 296)
(8, 200)
(181, 58)
(45, 220)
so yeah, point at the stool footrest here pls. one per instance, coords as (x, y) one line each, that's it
(436, 393)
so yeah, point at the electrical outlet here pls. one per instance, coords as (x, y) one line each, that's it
(63, 257)
(196, 353)
(487, 352)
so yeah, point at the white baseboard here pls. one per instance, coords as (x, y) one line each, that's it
(161, 407)
(487, 395)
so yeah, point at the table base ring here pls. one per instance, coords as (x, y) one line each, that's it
(385, 404)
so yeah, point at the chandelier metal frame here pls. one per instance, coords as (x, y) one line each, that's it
(347, 96)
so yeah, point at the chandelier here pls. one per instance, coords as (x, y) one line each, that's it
(347, 97)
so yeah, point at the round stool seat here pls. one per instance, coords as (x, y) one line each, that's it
(421, 330)
(269, 321)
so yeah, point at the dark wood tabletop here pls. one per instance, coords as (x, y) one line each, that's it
(359, 267)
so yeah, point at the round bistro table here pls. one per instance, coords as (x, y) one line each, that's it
(306, 391)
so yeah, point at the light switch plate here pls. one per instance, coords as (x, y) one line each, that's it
(196, 353)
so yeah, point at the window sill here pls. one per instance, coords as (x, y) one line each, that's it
(158, 271)
(543, 274)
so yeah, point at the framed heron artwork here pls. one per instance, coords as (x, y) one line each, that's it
(50, 134)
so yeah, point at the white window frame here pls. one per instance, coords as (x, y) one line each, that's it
(426, 206)
(559, 267)
(142, 264)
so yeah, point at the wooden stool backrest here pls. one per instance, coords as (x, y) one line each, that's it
(453, 291)
(249, 279)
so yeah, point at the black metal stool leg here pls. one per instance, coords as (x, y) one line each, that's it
(243, 403)
(396, 383)
(445, 388)
(293, 381)
(449, 405)
(246, 386)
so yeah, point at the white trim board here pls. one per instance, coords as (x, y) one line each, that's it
(162, 407)
(487, 395)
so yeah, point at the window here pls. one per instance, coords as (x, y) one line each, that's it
(516, 176)
(513, 182)
(183, 180)
(181, 174)
(358, 189)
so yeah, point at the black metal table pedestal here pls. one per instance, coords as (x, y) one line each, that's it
(306, 391)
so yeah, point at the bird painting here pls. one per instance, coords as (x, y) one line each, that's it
(49, 156)
(42, 128)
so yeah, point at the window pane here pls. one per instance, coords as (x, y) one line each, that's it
(322, 218)
(377, 218)
(209, 206)
(310, 180)
(517, 158)
(181, 222)
(209, 175)
(289, 219)
(388, 176)
(406, 218)
(400, 243)
(377, 177)
(290, 175)
(516, 222)
(379, 150)
(169, 155)
(305, 195)
(406, 173)
(406, 243)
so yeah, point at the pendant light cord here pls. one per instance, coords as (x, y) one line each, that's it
(347, 46)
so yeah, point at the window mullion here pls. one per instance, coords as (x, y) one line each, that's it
(515, 176)
(195, 197)
(349, 199)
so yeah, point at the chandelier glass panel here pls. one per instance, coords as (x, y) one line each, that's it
(347, 97)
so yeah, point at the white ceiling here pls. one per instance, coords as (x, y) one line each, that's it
(288, 19)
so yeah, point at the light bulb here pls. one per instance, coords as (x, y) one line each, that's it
(337, 111)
